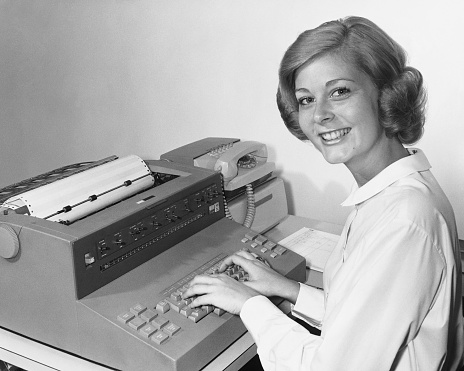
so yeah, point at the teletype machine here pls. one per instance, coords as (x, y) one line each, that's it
(95, 256)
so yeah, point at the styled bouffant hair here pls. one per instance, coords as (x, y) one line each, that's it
(361, 43)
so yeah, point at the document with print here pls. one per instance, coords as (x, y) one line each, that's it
(316, 246)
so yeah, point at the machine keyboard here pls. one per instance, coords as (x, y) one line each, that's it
(150, 322)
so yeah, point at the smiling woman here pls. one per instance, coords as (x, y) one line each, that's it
(361, 44)
(368, 92)
(392, 285)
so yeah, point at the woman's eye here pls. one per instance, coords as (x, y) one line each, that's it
(340, 92)
(304, 101)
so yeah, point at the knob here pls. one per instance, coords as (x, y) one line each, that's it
(9, 242)
(89, 259)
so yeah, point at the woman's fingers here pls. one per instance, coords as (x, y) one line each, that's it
(242, 258)
(200, 285)
(219, 290)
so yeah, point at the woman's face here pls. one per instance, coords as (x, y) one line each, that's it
(338, 112)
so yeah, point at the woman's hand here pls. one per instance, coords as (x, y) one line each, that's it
(224, 292)
(262, 278)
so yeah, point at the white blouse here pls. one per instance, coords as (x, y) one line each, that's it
(392, 286)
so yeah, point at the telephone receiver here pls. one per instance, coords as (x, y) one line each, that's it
(240, 162)
(243, 163)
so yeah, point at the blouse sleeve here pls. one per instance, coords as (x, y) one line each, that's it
(276, 335)
(309, 305)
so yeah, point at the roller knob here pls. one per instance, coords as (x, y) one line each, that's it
(9, 242)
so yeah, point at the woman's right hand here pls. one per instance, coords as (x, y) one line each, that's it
(261, 277)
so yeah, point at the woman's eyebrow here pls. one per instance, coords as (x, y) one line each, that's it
(301, 90)
(335, 81)
(327, 84)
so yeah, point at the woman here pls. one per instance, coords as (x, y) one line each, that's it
(392, 286)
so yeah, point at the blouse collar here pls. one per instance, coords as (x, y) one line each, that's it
(399, 169)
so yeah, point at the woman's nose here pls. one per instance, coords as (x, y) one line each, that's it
(323, 112)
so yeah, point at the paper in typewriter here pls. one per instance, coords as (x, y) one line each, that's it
(316, 246)
(105, 181)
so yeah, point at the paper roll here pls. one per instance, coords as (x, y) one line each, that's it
(81, 194)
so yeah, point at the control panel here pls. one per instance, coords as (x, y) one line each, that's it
(110, 252)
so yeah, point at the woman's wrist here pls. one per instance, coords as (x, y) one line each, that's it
(289, 290)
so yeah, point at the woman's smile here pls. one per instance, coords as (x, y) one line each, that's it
(334, 136)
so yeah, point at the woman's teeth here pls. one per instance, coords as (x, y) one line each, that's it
(336, 134)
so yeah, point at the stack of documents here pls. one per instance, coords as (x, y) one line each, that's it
(316, 246)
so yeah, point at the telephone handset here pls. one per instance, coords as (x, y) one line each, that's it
(240, 163)
(243, 163)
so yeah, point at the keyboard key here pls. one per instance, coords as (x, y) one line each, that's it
(138, 308)
(251, 235)
(177, 295)
(270, 245)
(147, 331)
(197, 314)
(163, 306)
(148, 315)
(186, 311)
(219, 311)
(125, 317)
(160, 337)
(260, 239)
(171, 328)
(137, 323)
(207, 308)
(188, 300)
(176, 304)
(159, 322)
(280, 250)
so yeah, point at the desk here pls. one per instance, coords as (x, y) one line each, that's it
(30, 355)
(33, 356)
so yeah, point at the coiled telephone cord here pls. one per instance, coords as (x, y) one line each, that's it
(251, 208)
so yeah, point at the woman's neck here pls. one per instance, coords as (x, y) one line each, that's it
(385, 155)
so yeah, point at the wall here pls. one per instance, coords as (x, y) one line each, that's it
(81, 80)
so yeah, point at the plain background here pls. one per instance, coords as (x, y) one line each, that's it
(81, 80)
